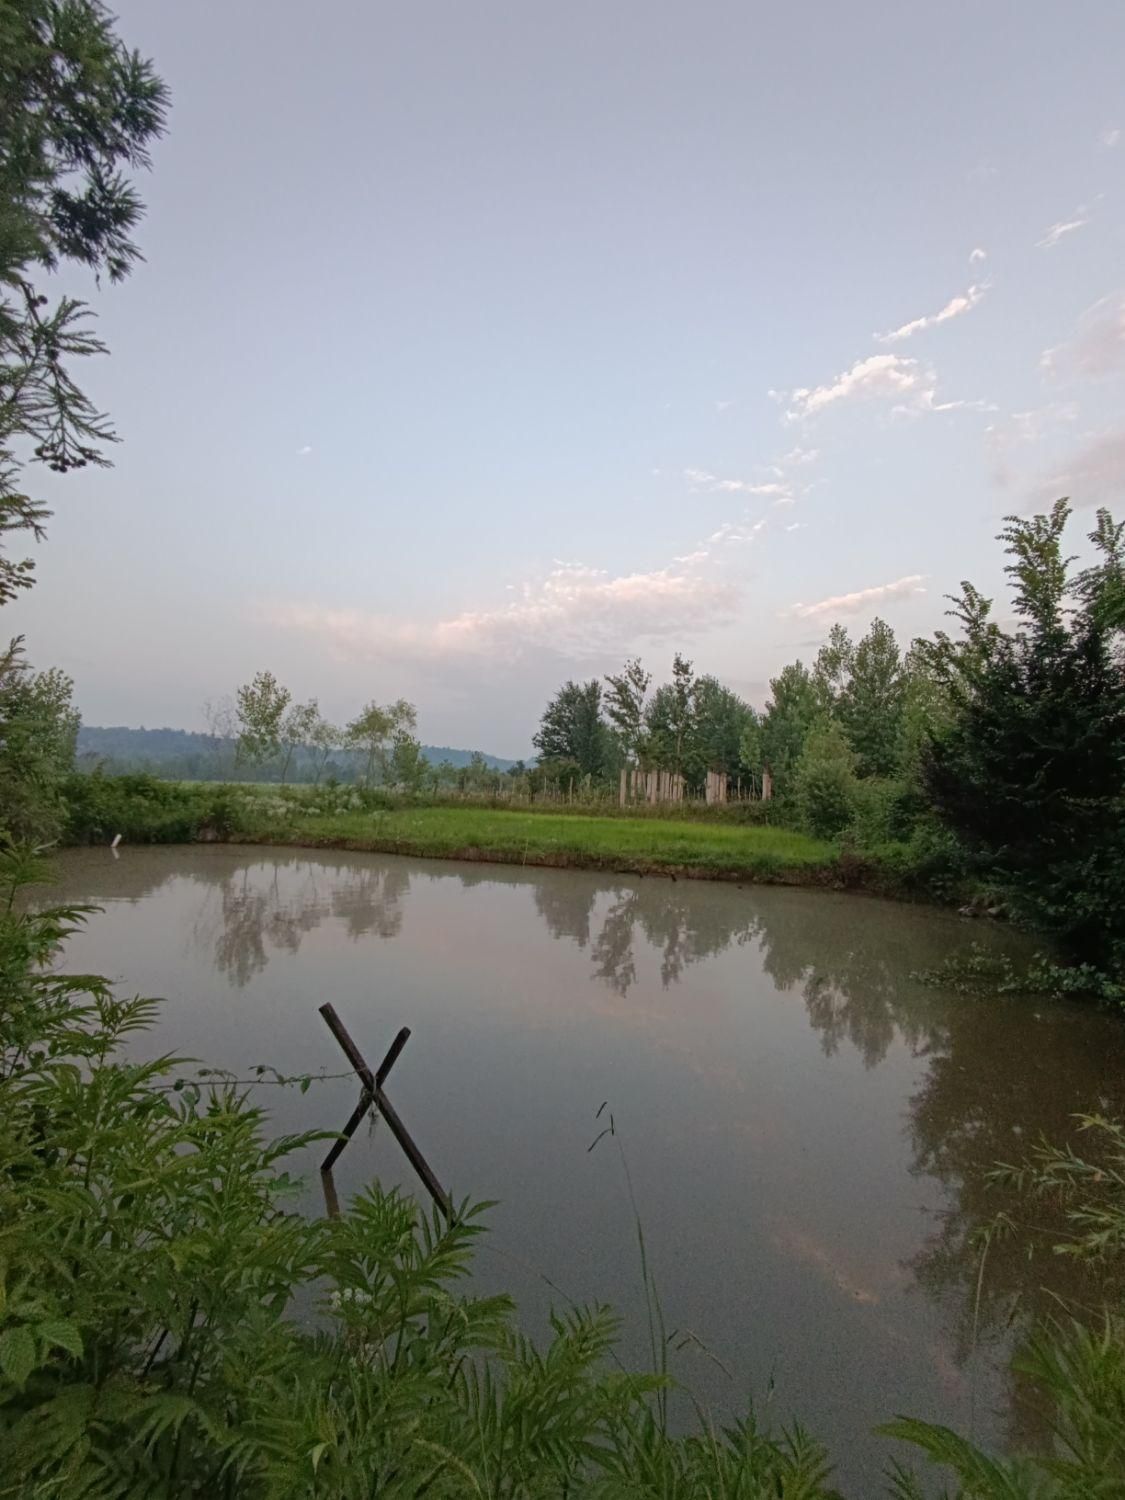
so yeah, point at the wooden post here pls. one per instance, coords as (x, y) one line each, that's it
(367, 1097)
(373, 1086)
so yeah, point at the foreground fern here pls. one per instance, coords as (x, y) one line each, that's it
(169, 1327)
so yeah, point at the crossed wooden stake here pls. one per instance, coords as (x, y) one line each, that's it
(373, 1095)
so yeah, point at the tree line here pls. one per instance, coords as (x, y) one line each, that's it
(995, 754)
(862, 704)
(262, 732)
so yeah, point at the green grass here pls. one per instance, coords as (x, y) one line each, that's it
(637, 844)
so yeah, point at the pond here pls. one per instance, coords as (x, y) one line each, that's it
(807, 1129)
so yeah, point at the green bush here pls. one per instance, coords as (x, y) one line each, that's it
(825, 785)
(144, 810)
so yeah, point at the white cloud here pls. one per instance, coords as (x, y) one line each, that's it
(852, 604)
(1093, 475)
(954, 308)
(304, 451)
(1063, 227)
(796, 526)
(730, 531)
(799, 455)
(722, 406)
(977, 255)
(878, 377)
(700, 479)
(1097, 348)
(1111, 137)
(574, 611)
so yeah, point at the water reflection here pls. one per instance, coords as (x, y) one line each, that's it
(248, 918)
(811, 1097)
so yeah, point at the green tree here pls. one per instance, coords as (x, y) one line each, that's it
(571, 732)
(372, 732)
(298, 727)
(1031, 772)
(260, 707)
(77, 109)
(794, 706)
(408, 766)
(719, 720)
(670, 718)
(871, 702)
(833, 667)
(38, 732)
(624, 702)
(824, 783)
(323, 738)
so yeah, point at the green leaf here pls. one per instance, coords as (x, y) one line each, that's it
(17, 1354)
(61, 1335)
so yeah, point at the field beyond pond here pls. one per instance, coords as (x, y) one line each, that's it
(637, 845)
(146, 811)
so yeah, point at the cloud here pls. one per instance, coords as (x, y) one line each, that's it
(1098, 347)
(911, 385)
(954, 308)
(722, 406)
(305, 451)
(977, 255)
(700, 479)
(1063, 227)
(852, 604)
(1092, 475)
(574, 611)
(731, 531)
(878, 376)
(1111, 137)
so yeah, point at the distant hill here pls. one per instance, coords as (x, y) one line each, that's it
(186, 755)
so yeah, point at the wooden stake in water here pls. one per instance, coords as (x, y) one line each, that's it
(373, 1095)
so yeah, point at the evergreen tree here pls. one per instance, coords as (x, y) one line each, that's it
(1031, 772)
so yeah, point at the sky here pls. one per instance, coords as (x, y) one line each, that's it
(481, 345)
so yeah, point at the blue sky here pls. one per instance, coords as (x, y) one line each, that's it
(480, 345)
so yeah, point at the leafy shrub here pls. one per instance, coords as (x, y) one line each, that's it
(825, 781)
(145, 810)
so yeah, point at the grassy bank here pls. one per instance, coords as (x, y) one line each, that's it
(566, 840)
(143, 810)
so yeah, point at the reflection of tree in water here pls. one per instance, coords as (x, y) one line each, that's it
(371, 901)
(1005, 1076)
(566, 906)
(1001, 1074)
(684, 928)
(259, 912)
(677, 920)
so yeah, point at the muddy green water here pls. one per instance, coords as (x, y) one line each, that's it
(808, 1129)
